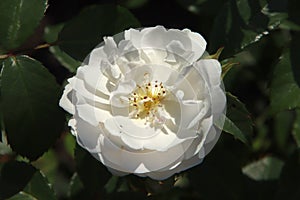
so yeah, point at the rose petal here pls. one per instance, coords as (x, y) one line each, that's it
(88, 141)
(211, 71)
(78, 85)
(66, 100)
(131, 162)
(119, 97)
(184, 165)
(159, 38)
(91, 114)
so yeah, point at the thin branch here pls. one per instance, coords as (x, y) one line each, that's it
(23, 51)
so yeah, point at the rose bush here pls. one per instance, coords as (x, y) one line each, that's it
(146, 102)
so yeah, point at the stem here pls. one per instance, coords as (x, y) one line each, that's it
(41, 46)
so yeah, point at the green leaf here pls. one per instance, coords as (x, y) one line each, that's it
(238, 121)
(296, 128)
(241, 23)
(230, 127)
(265, 169)
(39, 187)
(284, 91)
(18, 19)
(75, 186)
(22, 196)
(84, 32)
(112, 184)
(51, 32)
(91, 172)
(282, 14)
(276, 10)
(14, 176)
(228, 30)
(32, 118)
(51, 35)
(70, 144)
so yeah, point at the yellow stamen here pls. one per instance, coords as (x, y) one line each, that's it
(146, 99)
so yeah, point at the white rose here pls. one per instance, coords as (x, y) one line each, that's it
(145, 103)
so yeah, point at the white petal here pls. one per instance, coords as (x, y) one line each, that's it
(72, 124)
(213, 137)
(218, 101)
(93, 114)
(110, 48)
(111, 71)
(198, 143)
(79, 86)
(192, 112)
(177, 52)
(124, 126)
(191, 81)
(134, 36)
(131, 162)
(159, 38)
(119, 97)
(96, 56)
(162, 73)
(87, 135)
(66, 100)
(211, 70)
(198, 43)
(184, 165)
(139, 74)
(94, 80)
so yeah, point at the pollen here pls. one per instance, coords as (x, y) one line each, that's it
(146, 99)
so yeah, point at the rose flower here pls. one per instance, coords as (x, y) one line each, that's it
(146, 102)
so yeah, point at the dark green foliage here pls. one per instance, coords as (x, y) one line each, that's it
(91, 172)
(85, 31)
(38, 42)
(14, 176)
(16, 23)
(285, 93)
(30, 95)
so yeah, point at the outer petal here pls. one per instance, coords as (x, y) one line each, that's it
(89, 141)
(159, 38)
(184, 165)
(141, 162)
(79, 86)
(91, 113)
(66, 100)
(211, 70)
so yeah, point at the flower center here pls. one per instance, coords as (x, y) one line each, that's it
(146, 99)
